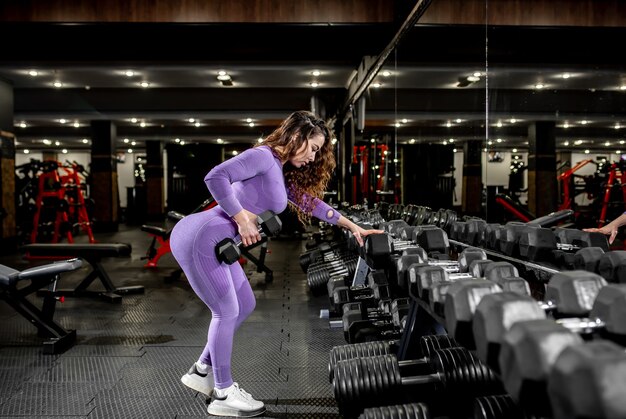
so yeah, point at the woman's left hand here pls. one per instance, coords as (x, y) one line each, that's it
(359, 233)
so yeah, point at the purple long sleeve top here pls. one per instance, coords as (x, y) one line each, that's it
(254, 180)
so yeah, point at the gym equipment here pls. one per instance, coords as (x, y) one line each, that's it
(411, 410)
(581, 379)
(58, 338)
(600, 309)
(612, 266)
(376, 289)
(92, 254)
(499, 406)
(229, 251)
(384, 380)
(162, 236)
(427, 344)
(362, 324)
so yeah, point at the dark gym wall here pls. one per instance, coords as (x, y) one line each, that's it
(186, 168)
(459, 12)
(422, 166)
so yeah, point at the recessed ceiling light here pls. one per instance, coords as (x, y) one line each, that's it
(386, 73)
(144, 84)
(314, 84)
(129, 73)
(130, 150)
(22, 124)
(539, 86)
(126, 140)
(26, 151)
(85, 141)
(566, 75)
(57, 84)
(316, 73)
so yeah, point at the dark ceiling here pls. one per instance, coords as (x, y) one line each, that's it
(271, 66)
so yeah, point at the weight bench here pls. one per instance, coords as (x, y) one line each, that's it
(59, 339)
(92, 254)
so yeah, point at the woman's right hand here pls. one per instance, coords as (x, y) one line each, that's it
(608, 230)
(248, 226)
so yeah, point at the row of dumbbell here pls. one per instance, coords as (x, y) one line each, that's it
(512, 335)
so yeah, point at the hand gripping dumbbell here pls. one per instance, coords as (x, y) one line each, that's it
(577, 293)
(384, 380)
(229, 251)
(551, 372)
(427, 345)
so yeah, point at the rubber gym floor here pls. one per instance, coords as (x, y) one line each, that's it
(129, 357)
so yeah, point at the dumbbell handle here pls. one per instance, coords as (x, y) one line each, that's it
(567, 246)
(581, 325)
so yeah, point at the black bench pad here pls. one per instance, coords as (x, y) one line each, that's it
(93, 250)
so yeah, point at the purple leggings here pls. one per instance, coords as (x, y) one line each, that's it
(223, 288)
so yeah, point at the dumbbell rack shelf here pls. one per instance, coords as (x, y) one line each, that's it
(541, 272)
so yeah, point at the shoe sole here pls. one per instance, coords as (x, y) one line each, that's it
(225, 411)
(195, 385)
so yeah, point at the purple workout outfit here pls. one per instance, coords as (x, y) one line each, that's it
(252, 180)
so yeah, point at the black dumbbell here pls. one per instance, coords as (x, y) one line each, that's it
(427, 345)
(409, 410)
(228, 250)
(361, 323)
(499, 406)
(605, 309)
(384, 380)
(549, 371)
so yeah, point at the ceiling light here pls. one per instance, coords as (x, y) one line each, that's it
(386, 73)
(618, 152)
(448, 124)
(458, 120)
(566, 125)
(499, 140)
(62, 121)
(57, 143)
(129, 73)
(586, 151)
(512, 120)
(57, 84)
(197, 124)
(454, 150)
(76, 125)
(23, 125)
(473, 79)
(142, 124)
(33, 73)
(412, 141)
(622, 87)
(133, 143)
(26, 151)
(566, 75)
(191, 120)
(377, 84)
(177, 140)
(251, 124)
(260, 140)
(566, 143)
(220, 141)
(584, 122)
(144, 84)
(316, 73)
(578, 142)
(46, 141)
(617, 126)
(499, 124)
(248, 120)
(314, 84)
(539, 86)
(333, 141)
(130, 150)
(126, 140)
(607, 144)
(404, 120)
(85, 141)
(622, 141)
(235, 152)
(133, 120)
(514, 150)
(64, 151)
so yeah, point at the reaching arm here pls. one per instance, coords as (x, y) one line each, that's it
(611, 228)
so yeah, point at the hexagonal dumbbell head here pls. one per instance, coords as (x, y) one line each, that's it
(494, 316)
(270, 223)
(528, 352)
(574, 292)
(588, 258)
(610, 306)
(612, 266)
(468, 255)
(228, 251)
(587, 381)
(461, 301)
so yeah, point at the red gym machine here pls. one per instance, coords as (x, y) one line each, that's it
(63, 195)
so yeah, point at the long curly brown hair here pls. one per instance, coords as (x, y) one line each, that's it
(311, 179)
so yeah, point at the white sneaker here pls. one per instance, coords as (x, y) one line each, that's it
(234, 401)
(195, 380)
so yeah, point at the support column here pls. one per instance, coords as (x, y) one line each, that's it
(472, 178)
(154, 180)
(347, 171)
(104, 187)
(8, 231)
(542, 184)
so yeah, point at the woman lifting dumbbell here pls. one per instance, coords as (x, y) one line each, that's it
(291, 166)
